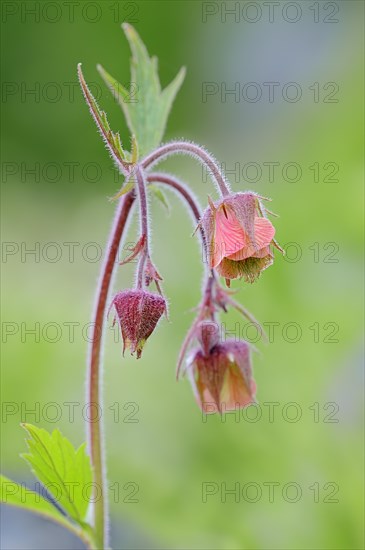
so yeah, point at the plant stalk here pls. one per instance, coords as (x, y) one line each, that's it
(197, 152)
(94, 390)
(143, 214)
(94, 394)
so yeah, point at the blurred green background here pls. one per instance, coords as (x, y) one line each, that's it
(159, 442)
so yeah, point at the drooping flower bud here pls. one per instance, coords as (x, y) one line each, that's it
(222, 380)
(207, 333)
(237, 237)
(138, 313)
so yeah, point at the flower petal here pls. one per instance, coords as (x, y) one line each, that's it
(262, 253)
(244, 207)
(264, 233)
(229, 236)
(235, 393)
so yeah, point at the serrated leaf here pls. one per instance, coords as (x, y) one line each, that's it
(18, 495)
(160, 195)
(147, 113)
(14, 494)
(64, 471)
(111, 139)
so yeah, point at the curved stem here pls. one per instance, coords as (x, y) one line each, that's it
(171, 181)
(184, 191)
(161, 177)
(187, 148)
(94, 392)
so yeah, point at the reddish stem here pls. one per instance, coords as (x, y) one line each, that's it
(197, 152)
(184, 192)
(95, 427)
(94, 397)
(143, 213)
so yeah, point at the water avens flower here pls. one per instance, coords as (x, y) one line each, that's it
(138, 313)
(221, 378)
(238, 237)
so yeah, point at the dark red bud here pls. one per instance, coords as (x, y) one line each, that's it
(138, 314)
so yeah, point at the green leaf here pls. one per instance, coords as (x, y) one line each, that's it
(13, 494)
(18, 495)
(111, 139)
(146, 107)
(127, 186)
(160, 195)
(64, 471)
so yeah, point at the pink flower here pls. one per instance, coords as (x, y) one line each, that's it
(138, 314)
(237, 237)
(221, 373)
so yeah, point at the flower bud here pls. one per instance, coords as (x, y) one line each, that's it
(138, 313)
(237, 237)
(222, 380)
(207, 333)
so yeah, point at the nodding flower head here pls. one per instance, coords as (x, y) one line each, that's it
(237, 237)
(221, 373)
(138, 313)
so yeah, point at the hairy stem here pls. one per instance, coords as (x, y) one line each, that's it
(205, 307)
(94, 395)
(181, 188)
(94, 391)
(143, 214)
(187, 148)
(185, 192)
